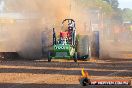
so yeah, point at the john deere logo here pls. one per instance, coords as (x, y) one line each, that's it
(60, 47)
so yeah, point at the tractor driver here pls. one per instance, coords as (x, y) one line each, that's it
(63, 37)
(66, 36)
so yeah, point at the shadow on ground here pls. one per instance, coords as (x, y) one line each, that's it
(53, 71)
(19, 85)
(102, 69)
(93, 65)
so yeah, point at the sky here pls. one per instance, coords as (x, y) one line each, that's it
(125, 4)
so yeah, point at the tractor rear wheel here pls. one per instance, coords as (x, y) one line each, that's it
(83, 47)
(49, 58)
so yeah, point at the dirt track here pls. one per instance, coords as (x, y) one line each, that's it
(61, 73)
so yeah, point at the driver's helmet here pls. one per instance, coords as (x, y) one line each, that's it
(70, 26)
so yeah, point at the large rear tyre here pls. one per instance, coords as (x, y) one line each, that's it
(49, 58)
(83, 47)
(75, 57)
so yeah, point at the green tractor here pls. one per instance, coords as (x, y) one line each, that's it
(67, 45)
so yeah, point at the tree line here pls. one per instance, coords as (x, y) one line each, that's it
(110, 8)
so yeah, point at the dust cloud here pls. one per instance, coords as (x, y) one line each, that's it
(33, 22)
(35, 19)
(115, 42)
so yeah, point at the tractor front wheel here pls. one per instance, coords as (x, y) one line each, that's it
(49, 58)
(75, 57)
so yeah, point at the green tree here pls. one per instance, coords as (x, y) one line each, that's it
(97, 4)
(109, 7)
(127, 14)
(114, 3)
